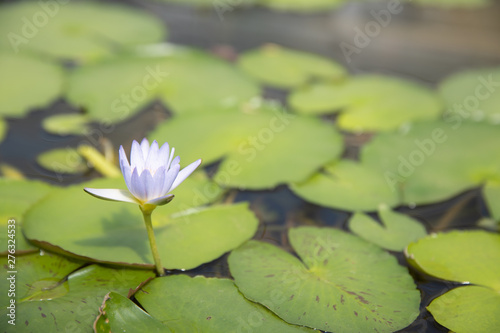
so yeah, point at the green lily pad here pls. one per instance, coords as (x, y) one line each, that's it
(460, 256)
(469, 257)
(76, 30)
(16, 197)
(73, 222)
(398, 230)
(207, 305)
(473, 95)
(117, 89)
(346, 185)
(281, 67)
(120, 314)
(66, 124)
(468, 309)
(434, 161)
(491, 193)
(341, 283)
(47, 302)
(27, 83)
(369, 103)
(62, 160)
(258, 147)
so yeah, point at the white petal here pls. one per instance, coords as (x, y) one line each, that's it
(136, 158)
(137, 187)
(158, 180)
(127, 173)
(176, 160)
(163, 154)
(171, 157)
(161, 200)
(123, 156)
(125, 167)
(148, 183)
(152, 159)
(111, 194)
(184, 173)
(170, 176)
(145, 148)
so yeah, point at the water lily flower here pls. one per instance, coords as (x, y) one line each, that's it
(152, 173)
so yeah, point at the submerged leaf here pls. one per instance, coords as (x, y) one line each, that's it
(66, 124)
(62, 160)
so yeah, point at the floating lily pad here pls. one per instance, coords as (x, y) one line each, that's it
(188, 81)
(341, 283)
(46, 302)
(347, 185)
(62, 160)
(27, 83)
(281, 67)
(434, 161)
(260, 148)
(473, 95)
(66, 124)
(469, 257)
(75, 30)
(16, 197)
(76, 223)
(369, 103)
(207, 305)
(398, 230)
(468, 309)
(120, 314)
(491, 193)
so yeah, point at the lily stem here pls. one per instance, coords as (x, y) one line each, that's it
(152, 243)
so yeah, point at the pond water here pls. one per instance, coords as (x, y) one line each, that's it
(424, 45)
